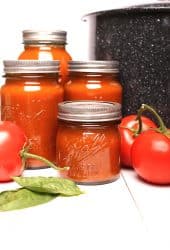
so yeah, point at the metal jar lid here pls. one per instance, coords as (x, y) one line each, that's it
(94, 66)
(30, 66)
(89, 111)
(42, 36)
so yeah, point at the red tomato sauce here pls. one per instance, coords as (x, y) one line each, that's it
(48, 52)
(92, 154)
(102, 87)
(31, 102)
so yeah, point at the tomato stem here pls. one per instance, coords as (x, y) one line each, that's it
(24, 154)
(144, 107)
(140, 122)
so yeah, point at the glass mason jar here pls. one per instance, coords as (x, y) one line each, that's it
(29, 98)
(88, 141)
(93, 80)
(46, 45)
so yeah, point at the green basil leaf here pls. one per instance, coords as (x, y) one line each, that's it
(22, 198)
(51, 185)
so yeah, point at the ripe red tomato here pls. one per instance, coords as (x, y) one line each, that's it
(151, 157)
(12, 140)
(127, 129)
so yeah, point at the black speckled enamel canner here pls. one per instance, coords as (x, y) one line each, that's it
(139, 38)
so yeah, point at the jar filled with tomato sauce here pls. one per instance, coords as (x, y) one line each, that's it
(88, 141)
(93, 80)
(47, 45)
(29, 98)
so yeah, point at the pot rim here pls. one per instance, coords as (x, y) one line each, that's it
(146, 8)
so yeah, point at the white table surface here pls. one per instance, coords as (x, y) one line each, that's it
(110, 216)
(154, 204)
